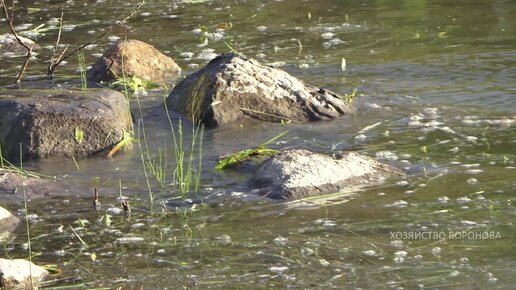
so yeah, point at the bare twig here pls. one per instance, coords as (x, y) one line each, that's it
(10, 21)
(53, 65)
(55, 58)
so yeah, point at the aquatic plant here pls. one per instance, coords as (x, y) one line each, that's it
(82, 70)
(27, 224)
(242, 155)
(351, 96)
(186, 176)
(135, 84)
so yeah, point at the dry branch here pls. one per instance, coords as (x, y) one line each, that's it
(10, 21)
(54, 63)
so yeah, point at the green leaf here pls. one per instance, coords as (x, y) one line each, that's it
(79, 135)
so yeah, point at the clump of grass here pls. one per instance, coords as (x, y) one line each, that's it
(187, 174)
(240, 156)
(27, 224)
(82, 69)
(135, 84)
(351, 96)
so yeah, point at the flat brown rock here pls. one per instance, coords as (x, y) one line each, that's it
(137, 58)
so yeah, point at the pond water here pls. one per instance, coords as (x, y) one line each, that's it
(437, 97)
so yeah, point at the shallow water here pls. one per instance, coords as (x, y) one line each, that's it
(437, 98)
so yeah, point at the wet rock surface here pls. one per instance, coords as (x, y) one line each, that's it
(11, 185)
(61, 123)
(132, 58)
(232, 87)
(9, 45)
(16, 274)
(295, 173)
(8, 222)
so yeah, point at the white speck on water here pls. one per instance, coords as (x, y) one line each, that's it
(278, 269)
(276, 64)
(454, 273)
(261, 28)
(474, 171)
(237, 194)
(224, 239)
(260, 55)
(454, 149)
(472, 181)
(60, 253)
(216, 36)
(409, 192)
(281, 241)
(68, 27)
(160, 252)
(304, 66)
(469, 223)
(113, 38)
(405, 162)
(402, 183)
(397, 243)
(324, 263)
(360, 137)
(129, 240)
(193, 65)
(436, 251)
(307, 251)
(401, 254)
(325, 222)
(145, 14)
(386, 155)
(397, 204)
(197, 31)
(327, 35)
(474, 165)
(137, 225)
(207, 54)
(186, 55)
(370, 253)
(381, 193)
(471, 139)
(114, 210)
(431, 112)
(491, 278)
(463, 199)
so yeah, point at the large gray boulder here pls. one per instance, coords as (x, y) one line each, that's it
(296, 173)
(132, 58)
(16, 274)
(61, 123)
(232, 87)
(8, 222)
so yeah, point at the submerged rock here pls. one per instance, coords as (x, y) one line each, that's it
(136, 58)
(61, 123)
(11, 184)
(232, 87)
(16, 274)
(9, 44)
(295, 173)
(8, 222)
